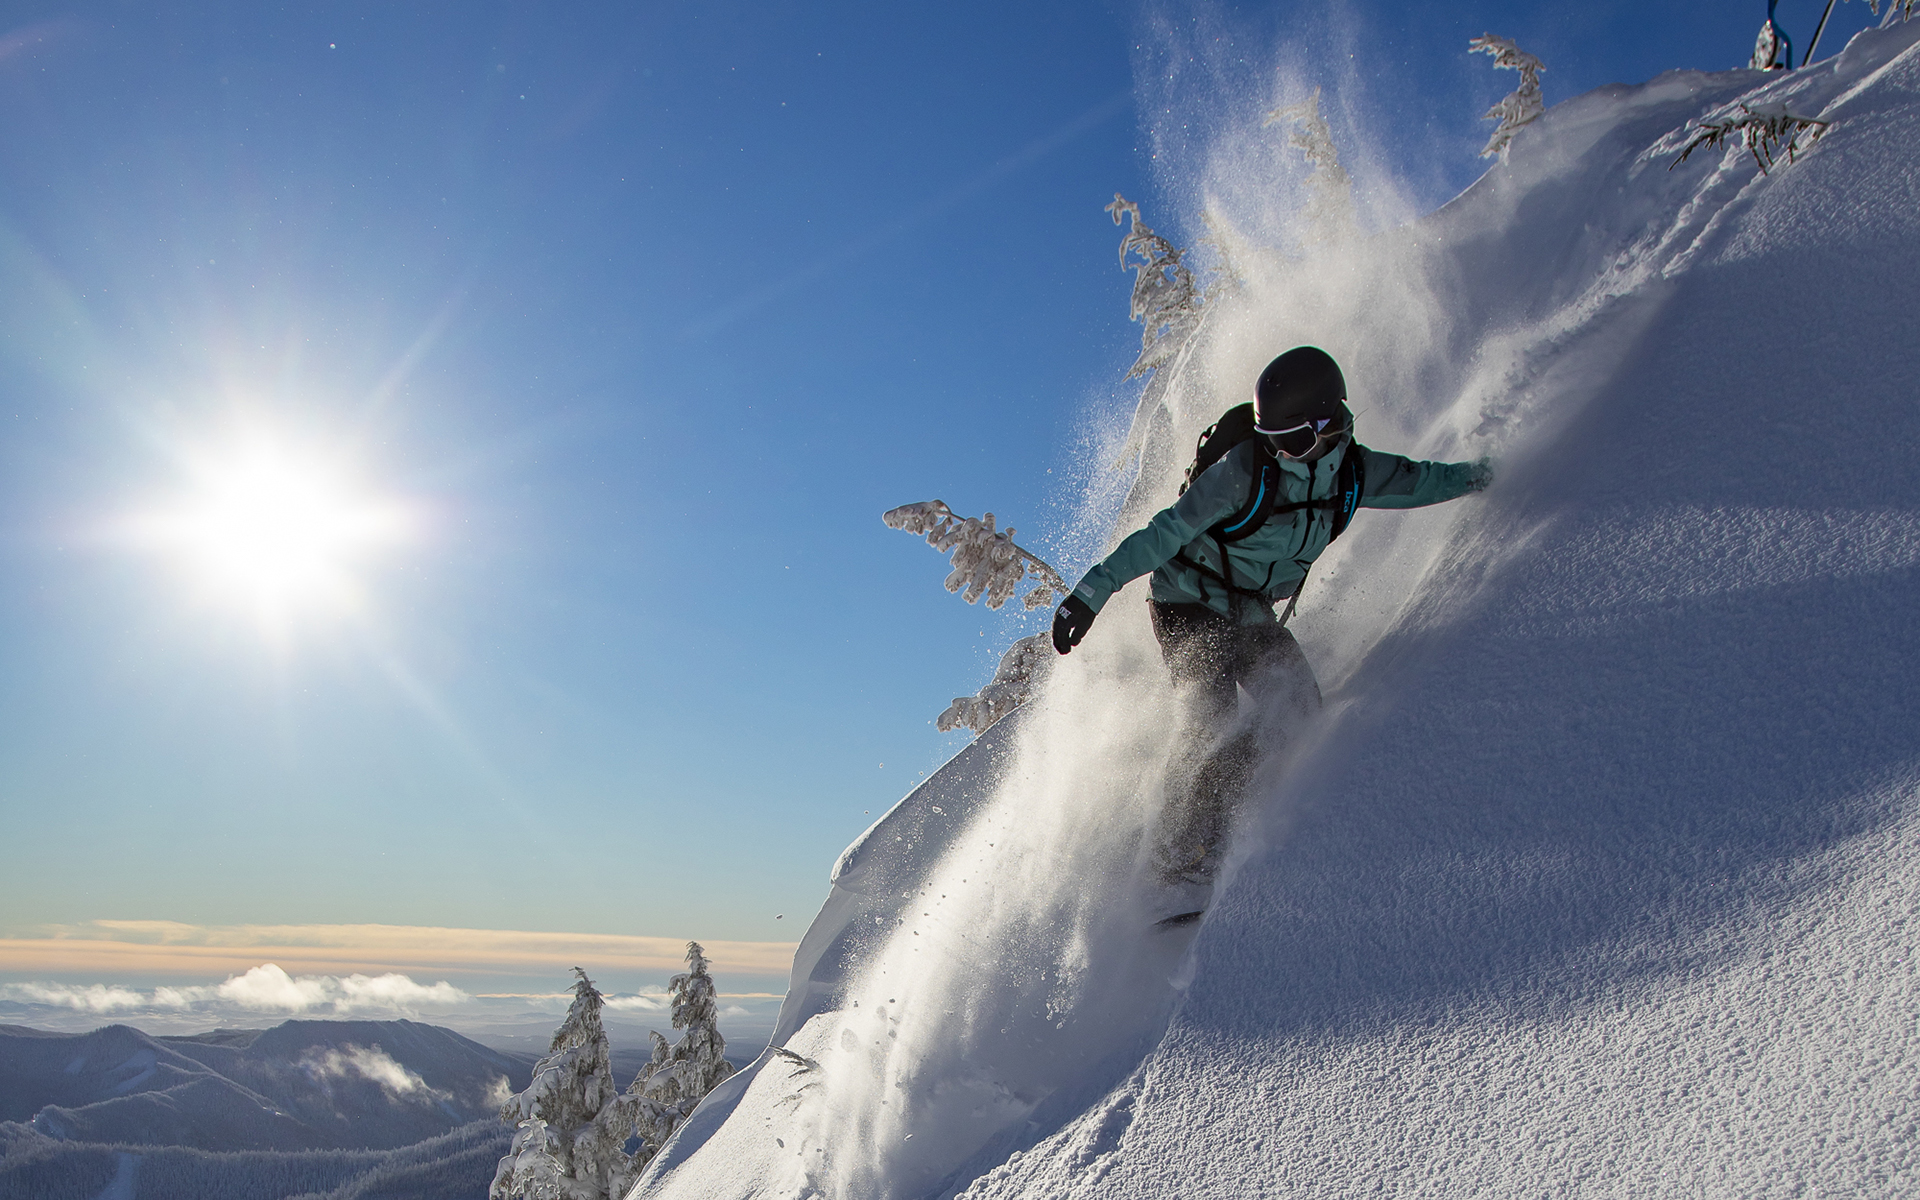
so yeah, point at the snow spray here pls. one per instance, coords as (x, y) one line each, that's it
(1024, 975)
(1027, 957)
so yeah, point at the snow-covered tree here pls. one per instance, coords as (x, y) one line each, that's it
(679, 1076)
(572, 1123)
(1171, 308)
(1520, 106)
(1766, 129)
(1329, 210)
(573, 1126)
(1021, 667)
(533, 1169)
(986, 562)
(1166, 297)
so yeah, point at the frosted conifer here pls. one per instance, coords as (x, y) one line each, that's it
(672, 1085)
(532, 1169)
(1170, 306)
(985, 560)
(1329, 210)
(572, 1123)
(1765, 130)
(1166, 298)
(1521, 105)
(1021, 667)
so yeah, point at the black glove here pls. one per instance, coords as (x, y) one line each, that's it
(1070, 623)
(1481, 476)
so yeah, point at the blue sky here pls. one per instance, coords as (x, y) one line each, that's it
(644, 313)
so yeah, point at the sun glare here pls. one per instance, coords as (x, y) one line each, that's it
(275, 529)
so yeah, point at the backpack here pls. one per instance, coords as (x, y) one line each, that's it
(1236, 426)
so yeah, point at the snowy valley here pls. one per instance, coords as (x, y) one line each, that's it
(340, 1108)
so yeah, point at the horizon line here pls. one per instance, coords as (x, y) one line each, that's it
(179, 949)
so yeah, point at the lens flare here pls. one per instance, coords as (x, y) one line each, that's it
(274, 527)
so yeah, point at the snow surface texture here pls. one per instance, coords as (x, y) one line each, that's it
(1598, 875)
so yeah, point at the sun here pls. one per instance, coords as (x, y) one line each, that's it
(275, 525)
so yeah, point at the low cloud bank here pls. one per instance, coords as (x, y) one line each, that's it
(370, 1063)
(262, 989)
(269, 989)
(641, 1003)
(96, 998)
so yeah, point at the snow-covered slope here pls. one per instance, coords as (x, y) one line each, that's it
(1598, 875)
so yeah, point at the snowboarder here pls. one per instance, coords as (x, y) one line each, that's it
(1241, 537)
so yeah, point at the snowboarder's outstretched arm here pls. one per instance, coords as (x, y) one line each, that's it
(1396, 481)
(1392, 481)
(1219, 492)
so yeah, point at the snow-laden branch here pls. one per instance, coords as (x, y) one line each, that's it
(1520, 106)
(1021, 668)
(1765, 129)
(985, 560)
(801, 1064)
(1170, 306)
(531, 1170)
(1329, 209)
(1166, 298)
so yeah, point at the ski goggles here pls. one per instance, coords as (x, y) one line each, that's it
(1298, 441)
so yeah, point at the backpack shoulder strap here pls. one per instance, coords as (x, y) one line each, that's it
(1263, 499)
(1350, 485)
(1260, 504)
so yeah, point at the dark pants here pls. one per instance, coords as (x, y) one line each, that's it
(1210, 658)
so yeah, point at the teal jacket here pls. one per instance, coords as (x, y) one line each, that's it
(1274, 560)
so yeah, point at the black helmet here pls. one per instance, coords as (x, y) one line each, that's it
(1302, 394)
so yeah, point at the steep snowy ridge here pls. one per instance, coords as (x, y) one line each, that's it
(1599, 875)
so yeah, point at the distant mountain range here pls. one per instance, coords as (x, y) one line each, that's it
(313, 1108)
(302, 1085)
